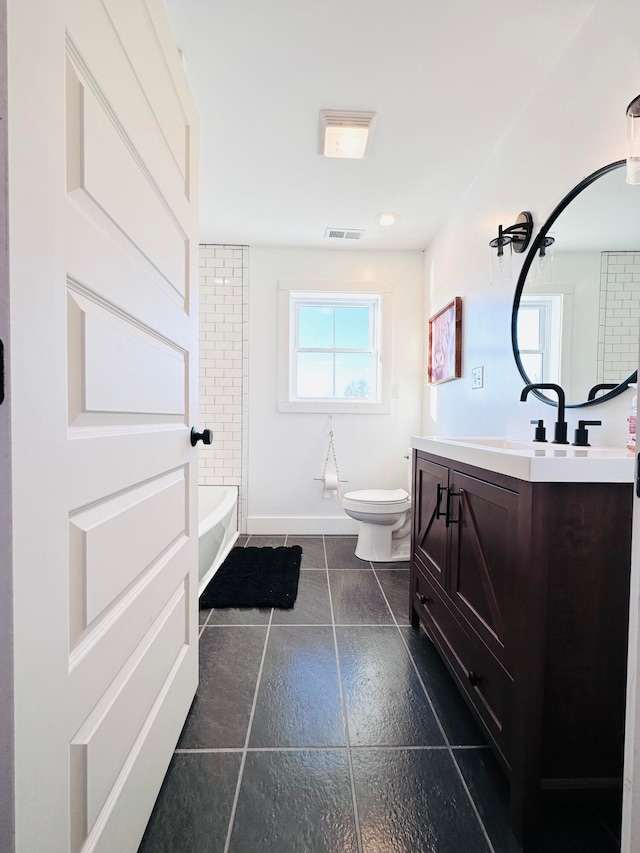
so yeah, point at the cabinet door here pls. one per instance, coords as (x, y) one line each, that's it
(484, 529)
(483, 681)
(429, 530)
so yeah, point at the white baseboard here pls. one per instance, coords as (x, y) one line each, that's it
(299, 525)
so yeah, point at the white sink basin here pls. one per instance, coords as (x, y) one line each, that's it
(543, 462)
(500, 443)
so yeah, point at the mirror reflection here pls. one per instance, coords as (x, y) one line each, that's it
(577, 305)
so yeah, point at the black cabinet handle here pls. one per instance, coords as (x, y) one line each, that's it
(206, 436)
(440, 493)
(448, 519)
(423, 599)
(473, 677)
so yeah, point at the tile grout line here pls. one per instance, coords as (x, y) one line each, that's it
(202, 627)
(345, 721)
(437, 719)
(277, 625)
(236, 797)
(356, 748)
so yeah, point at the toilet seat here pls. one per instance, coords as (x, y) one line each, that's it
(379, 497)
(377, 502)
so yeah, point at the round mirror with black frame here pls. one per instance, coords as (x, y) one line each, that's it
(576, 310)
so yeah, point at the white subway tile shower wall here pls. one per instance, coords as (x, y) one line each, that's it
(224, 367)
(619, 315)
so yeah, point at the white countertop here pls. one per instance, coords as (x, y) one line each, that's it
(536, 462)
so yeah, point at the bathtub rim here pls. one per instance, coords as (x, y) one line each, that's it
(226, 506)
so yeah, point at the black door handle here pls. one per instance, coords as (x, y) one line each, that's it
(206, 436)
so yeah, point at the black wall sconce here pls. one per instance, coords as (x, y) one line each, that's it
(517, 237)
(633, 141)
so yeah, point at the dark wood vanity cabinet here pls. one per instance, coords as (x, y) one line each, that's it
(524, 589)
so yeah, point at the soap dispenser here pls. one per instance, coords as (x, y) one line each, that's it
(632, 420)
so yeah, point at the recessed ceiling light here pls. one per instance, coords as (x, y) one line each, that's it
(387, 218)
(344, 134)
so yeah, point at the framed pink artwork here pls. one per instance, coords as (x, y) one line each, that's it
(444, 348)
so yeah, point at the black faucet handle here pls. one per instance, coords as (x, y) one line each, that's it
(540, 434)
(581, 437)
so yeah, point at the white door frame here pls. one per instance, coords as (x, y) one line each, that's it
(6, 567)
(630, 839)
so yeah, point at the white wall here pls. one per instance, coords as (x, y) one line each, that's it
(574, 124)
(287, 450)
(577, 275)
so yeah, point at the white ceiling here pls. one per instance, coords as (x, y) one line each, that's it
(446, 79)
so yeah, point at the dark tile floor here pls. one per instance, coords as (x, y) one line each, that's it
(336, 727)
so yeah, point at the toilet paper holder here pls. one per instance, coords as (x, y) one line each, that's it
(331, 482)
(331, 485)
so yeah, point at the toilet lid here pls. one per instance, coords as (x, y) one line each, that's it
(379, 496)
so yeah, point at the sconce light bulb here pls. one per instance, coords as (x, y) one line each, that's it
(500, 261)
(633, 141)
(540, 273)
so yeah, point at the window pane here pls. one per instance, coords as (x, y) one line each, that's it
(528, 328)
(314, 374)
(353, 376)
(315, 326)
(352, 327)
(532, 363)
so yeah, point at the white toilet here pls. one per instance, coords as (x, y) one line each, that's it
(385, 523)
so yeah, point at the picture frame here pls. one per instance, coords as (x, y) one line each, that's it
(444, 347)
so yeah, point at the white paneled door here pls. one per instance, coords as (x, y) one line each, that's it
(103, 243)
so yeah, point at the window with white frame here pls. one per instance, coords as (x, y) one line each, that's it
(332, 347)
(540, 336)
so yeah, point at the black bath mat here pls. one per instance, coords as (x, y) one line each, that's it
(255, 577)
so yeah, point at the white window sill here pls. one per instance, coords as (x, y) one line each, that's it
(335, 407)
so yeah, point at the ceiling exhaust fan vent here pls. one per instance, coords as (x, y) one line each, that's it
(345, 133)
(344, 233)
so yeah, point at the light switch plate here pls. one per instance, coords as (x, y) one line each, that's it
(477, 377)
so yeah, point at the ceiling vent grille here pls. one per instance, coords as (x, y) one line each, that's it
(344, 233)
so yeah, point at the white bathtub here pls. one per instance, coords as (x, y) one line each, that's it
(217, 529)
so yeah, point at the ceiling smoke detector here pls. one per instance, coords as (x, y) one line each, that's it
(344, 233)
(343, 133)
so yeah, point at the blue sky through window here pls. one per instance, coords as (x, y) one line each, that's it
(334, 373)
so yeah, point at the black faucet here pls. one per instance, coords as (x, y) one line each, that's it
(601, 386)
(560, 428)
